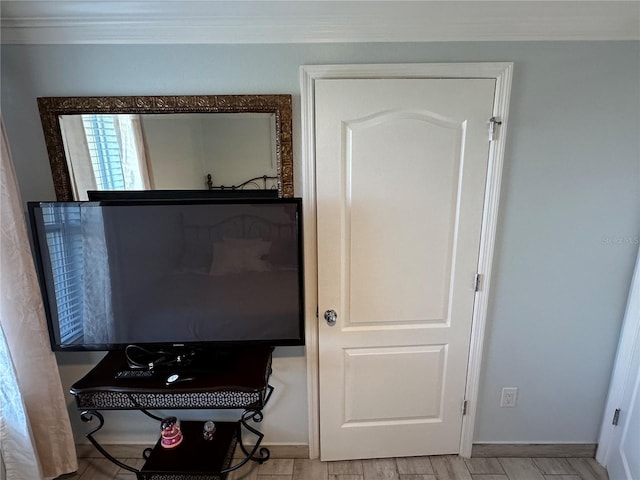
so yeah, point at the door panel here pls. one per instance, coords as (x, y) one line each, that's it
(370, 146)
(379, 399)
(401, 170)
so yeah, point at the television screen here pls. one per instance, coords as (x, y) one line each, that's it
(170, 272)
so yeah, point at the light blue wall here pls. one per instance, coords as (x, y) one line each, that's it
(570, 210)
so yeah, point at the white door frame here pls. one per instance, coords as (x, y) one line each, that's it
(502, 73)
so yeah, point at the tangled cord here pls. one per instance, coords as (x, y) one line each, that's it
(139, 357)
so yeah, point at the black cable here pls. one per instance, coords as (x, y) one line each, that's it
(152, 359)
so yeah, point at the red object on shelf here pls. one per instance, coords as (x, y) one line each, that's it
(171, 433)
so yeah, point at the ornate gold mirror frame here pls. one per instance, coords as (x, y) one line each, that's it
(51, 108)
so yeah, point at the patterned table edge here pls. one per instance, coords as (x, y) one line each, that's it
(121, 400)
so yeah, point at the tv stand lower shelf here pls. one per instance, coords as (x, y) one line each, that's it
(201, 456)
(195, 458)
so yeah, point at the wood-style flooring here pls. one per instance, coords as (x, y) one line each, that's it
(414, 468)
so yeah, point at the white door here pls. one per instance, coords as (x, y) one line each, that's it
(622, 441)
(401, 169)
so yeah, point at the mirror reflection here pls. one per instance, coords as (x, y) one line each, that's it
(183, 142)
(186, 151)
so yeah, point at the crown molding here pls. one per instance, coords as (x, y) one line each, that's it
(307, 21)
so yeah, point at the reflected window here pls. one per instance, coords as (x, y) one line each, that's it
(117, 149)
(104, 150)
(64, 240)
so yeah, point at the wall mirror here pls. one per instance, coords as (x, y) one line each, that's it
(210, 142)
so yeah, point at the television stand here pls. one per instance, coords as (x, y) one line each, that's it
(241, 384)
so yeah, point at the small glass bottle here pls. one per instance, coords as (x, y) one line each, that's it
(208, 429)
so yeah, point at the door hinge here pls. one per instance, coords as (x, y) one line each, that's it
(465, 404)
(616, 417)
(493, 123)
(476, 283)
(317, 308)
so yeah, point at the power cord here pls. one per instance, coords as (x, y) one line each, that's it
(140, 357)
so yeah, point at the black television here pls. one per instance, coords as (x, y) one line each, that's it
(170, 273)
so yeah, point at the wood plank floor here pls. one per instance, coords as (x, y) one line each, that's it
(414, 468)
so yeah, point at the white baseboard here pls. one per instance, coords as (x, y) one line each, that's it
(582, 450)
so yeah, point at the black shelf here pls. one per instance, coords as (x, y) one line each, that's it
(195, 457)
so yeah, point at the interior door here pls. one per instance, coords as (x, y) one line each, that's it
(401, 170)
(623, 457)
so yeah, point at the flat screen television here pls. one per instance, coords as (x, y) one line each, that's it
(170, 272)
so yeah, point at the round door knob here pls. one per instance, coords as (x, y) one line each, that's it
(331, 317)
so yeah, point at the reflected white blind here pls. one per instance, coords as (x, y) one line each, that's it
(104, 148)
(64, 241)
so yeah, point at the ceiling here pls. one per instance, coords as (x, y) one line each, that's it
(309, 21)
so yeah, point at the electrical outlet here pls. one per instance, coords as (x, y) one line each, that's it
(509, 397)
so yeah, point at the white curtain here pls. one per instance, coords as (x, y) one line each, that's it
(36, 440)
(76, 150)
(133, 152)
(98, 314)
